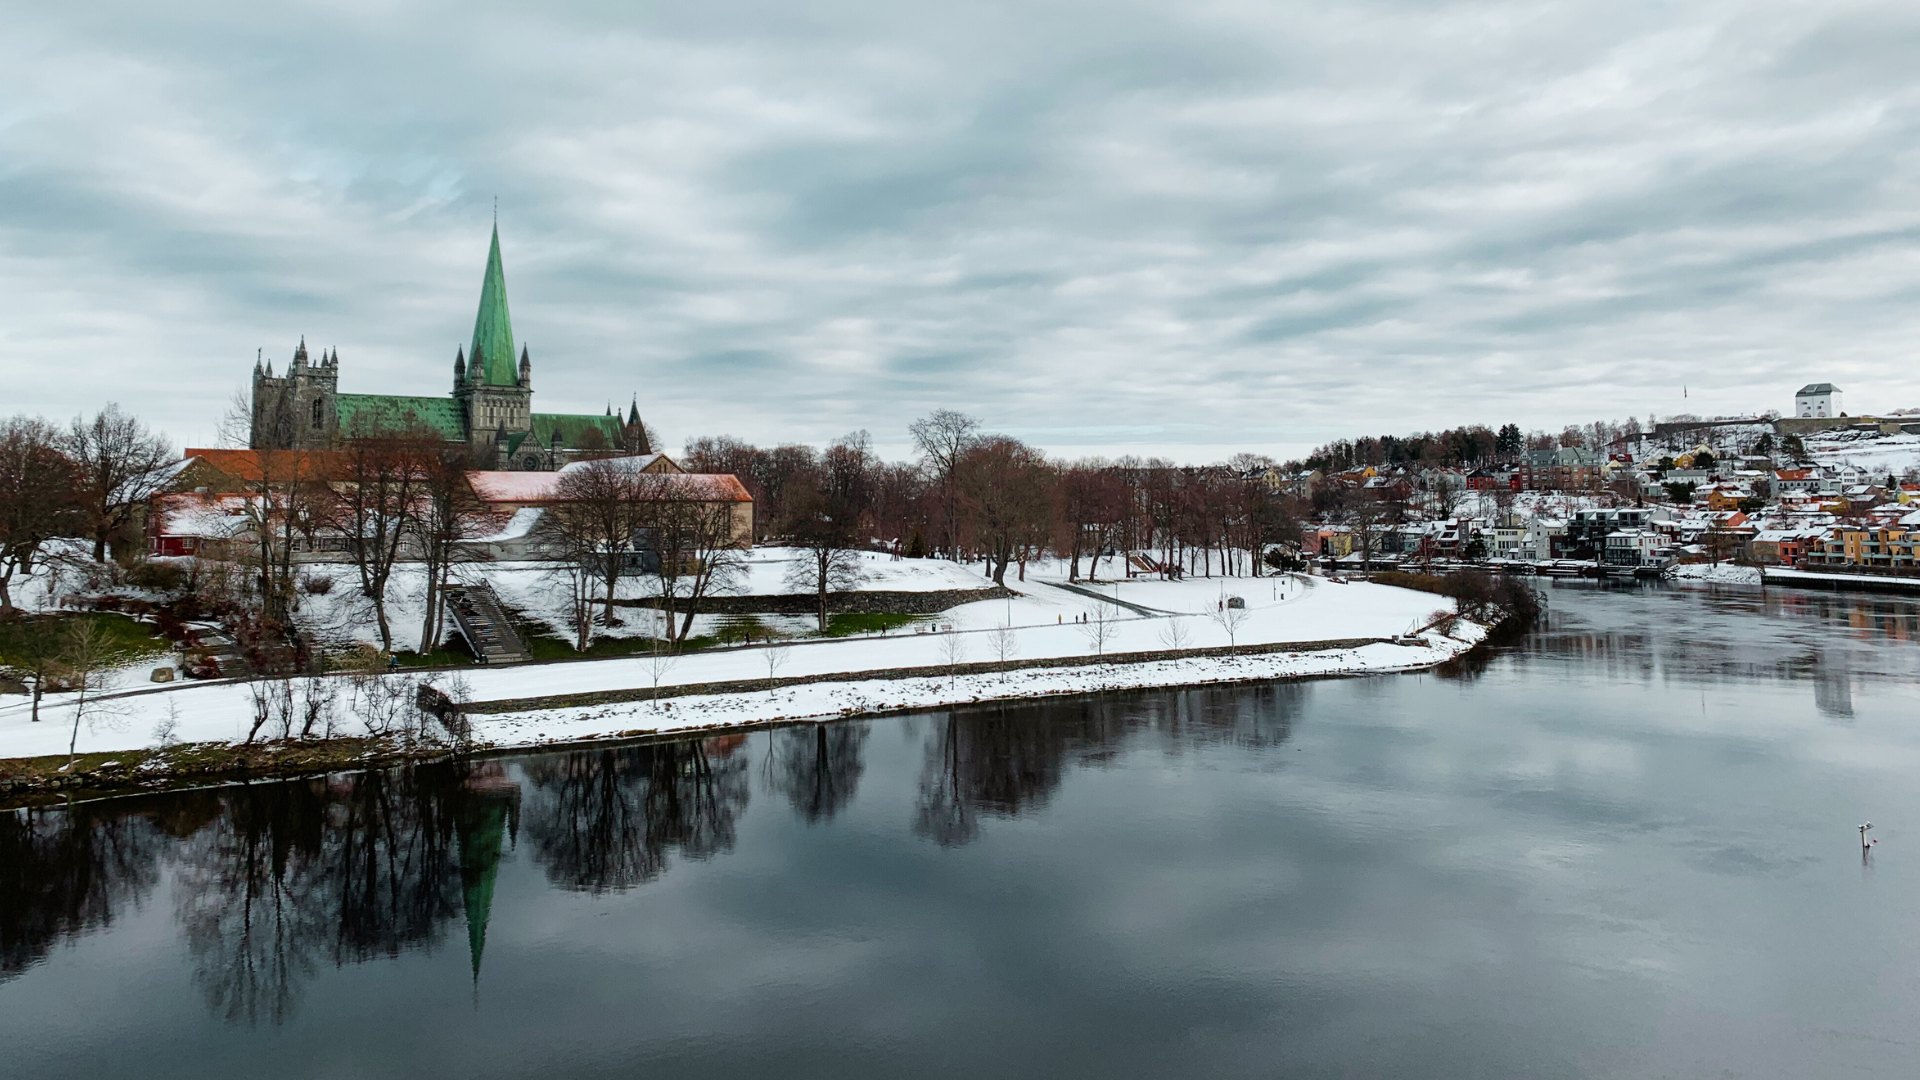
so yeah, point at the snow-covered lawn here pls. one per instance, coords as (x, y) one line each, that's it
(1045, 620)
(1879, 455)
(1720, 574)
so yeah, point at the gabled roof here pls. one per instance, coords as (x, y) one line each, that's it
(369, 414)
(492, 325)
(531, 488)
(574, 430)
(254, 465)
(1816, 388)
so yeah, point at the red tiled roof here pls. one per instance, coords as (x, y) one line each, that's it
(248, 465)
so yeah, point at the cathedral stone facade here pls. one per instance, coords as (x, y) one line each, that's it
(489, 410)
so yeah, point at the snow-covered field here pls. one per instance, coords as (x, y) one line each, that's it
(1721, 574)
(342, 615)
(1879, 455)
(1045, 623)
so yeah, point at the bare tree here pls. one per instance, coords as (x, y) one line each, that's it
(573, 565)
(691, 529)
(953, 649)
(374, 508)
(775, 656)
(1005, 644)
(942, 437)
(445, 515)
(596, 516)
(1443, 494)
(118, 463)
(659, 663)
(826, 539)
(1006, 491)
(1230, 619)
(38, 486)
(87, 654)
(1174, 633)
(1099, 628)
(34, 649)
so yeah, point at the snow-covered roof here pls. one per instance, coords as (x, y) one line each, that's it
(207, 517)
(543, 487)
(517, 527)
(144, 486)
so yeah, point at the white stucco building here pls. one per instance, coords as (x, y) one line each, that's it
(1817, 399)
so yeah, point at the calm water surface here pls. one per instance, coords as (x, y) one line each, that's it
(1624, 848)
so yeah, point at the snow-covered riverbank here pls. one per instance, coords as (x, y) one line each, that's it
(1045, 622)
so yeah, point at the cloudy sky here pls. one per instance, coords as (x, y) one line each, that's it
(1184, 227)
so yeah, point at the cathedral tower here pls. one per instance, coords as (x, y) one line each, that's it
(298, 410)
(497, 395)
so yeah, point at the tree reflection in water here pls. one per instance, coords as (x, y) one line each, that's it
(292, 875)
(65, 872)
(605, 820)
(1003, 761)
(817, 767)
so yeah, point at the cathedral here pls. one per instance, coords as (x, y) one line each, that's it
(489, 410)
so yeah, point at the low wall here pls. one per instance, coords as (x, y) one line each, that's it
(940, 671)
(891, 603)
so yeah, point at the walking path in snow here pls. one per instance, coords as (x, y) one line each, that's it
(1042, 622)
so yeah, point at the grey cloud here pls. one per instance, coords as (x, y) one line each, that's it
(1151, 225)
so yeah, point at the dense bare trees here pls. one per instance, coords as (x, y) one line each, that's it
(374, 508)
(943, 438)
(596, 517)
(1005, 490)
(118, 463)
(39, 501)
(446, 515)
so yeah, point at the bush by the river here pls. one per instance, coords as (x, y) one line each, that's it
(1477, 594)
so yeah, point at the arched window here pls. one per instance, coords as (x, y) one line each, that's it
(317, 422)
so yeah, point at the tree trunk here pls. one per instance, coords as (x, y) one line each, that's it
(432, 622)
(100, 547)
(380, 622)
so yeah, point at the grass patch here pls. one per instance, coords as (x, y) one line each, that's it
(545, 646)
(127, 640)
(850, 623)
(128, 771)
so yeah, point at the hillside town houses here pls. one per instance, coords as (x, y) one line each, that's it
(1747, 491)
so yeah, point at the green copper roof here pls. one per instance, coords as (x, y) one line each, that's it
(481, 829)
(492, 326)
(371, 414)
(574, 430)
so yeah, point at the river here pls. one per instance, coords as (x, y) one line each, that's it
(1623, 847)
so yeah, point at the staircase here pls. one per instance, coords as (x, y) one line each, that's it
(476, 611)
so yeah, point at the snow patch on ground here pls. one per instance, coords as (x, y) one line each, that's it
(1723, 574)
(1046, 623)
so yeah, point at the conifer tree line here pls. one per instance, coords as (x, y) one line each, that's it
(1468, 446)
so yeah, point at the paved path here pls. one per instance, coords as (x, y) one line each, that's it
(1151, 613)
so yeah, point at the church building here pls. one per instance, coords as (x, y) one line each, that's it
(489, 409)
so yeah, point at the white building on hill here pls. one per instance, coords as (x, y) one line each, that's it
(1817, 399)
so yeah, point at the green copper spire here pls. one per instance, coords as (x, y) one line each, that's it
(493, 327)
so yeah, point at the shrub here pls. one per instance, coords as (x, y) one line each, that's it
(166, 577)
(316, 584)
